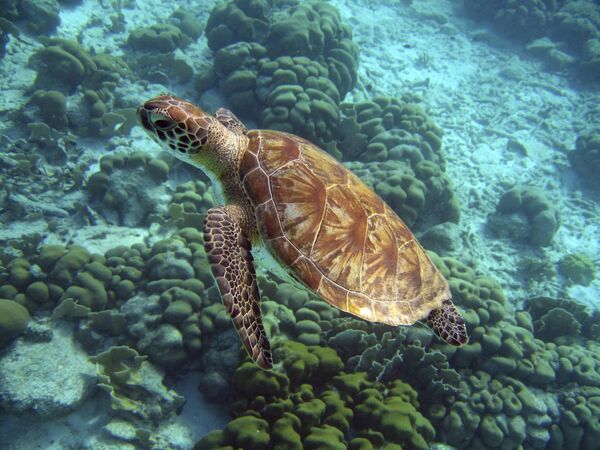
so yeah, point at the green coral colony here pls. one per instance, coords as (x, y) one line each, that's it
(148, 313)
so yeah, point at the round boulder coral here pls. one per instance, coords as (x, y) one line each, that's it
(13, 320)
(525, 213)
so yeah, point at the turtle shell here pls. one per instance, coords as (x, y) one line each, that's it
(334, 234)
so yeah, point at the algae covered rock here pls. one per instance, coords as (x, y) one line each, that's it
(525, 20)
(53, 108)
(62, 64)
(41, 16)
(159, 37)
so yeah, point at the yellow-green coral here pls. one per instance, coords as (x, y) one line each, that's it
(577, 268)
(13, 320)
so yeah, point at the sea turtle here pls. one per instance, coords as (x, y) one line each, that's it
(315, 219)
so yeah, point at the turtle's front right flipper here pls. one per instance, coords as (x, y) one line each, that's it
(228, 251)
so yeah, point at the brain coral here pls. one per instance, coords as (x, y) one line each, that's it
(585, 159)
(386, 128)
(525, 20)
(291, 65)
(525, 213)
(312, 404)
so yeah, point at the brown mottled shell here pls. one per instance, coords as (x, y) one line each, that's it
(335, 234)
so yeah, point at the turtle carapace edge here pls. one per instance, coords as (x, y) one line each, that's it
(319, 222)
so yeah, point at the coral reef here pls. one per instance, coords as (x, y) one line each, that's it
(525, 214)
(577, 269)
(13, 320)
(385, 129)
(360, 391)
(528, 379)
(124, 189)
(75, 90)
(291, 69)
(575, 25)
(154, 57)
(525, 21)
(585, 159)
(39, 17)
(313, 404)
(137, 396)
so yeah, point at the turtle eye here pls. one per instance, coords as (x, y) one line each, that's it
(163, 123)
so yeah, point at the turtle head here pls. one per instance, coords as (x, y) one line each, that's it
(185, 129)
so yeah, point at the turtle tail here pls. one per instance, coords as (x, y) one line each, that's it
(448, 324)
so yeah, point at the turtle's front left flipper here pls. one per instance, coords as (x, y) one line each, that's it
(228, 251)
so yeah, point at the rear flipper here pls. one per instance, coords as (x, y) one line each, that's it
(448, 324)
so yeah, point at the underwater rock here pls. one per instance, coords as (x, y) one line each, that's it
(188, 206)
(575, 24)
(557, 322)
(520, 21)
(234, 21)
(47, 379)
(159, 37)
(220, 357)
(586, 317)
(53, 108)
(62, 65)
(155, 58)
(388, 128)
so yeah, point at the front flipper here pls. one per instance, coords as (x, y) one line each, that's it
(230, 121)
(228, 251)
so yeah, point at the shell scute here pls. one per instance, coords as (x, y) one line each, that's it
(256, 181)
(248, 164)
(268, 223)
(333, 293)
(333, 233)
(361, 305)
(300, 198)
(339, 247)
(370, 202)
(277, 149)
(307, 272)
(323, 165)
(381, 258)
(285, 250)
